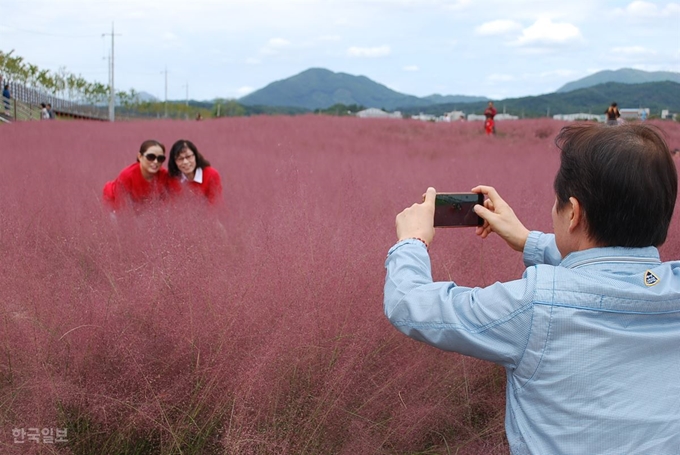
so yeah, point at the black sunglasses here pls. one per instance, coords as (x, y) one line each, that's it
(150, 157)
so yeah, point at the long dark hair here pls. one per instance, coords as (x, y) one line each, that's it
(177, 148)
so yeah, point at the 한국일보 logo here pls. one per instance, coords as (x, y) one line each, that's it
(650, 278)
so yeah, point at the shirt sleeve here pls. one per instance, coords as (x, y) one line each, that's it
(541, 248)
(491, 323)
(214, 189)
(109, 195)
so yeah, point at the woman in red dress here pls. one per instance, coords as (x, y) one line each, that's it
(189, 167)
(490, 123)
(143, 182)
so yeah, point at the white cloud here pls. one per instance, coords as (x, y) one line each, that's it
(500, 78)
(458, 4)
(498, 27)
(330, 38)
(545, 31)
(633, 50)
(244, 90)
(274, 46)
(278, 42)
(411, 68)
(641, 9)
(169, 36)
(369, 52)
(671, 9)
(253, 61)
(136, 15)
(556, 74)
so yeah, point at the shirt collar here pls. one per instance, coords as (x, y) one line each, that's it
(198, 176)
(576, 259)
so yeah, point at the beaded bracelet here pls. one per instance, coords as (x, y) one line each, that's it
(424, 242)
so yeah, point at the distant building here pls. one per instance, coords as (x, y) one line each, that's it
(454, 116)
(498, 117)
(667, 115)
(579, 116)
(633, 113)
(377, 113)
(424, 117)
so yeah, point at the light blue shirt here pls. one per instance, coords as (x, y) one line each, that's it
(590, 344)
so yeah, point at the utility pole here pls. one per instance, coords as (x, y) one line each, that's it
(187, 98)
(112, 91)
(165, 104)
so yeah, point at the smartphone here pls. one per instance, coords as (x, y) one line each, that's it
(456, 209)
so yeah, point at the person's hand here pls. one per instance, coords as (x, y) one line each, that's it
(417, 221)
(499, 218)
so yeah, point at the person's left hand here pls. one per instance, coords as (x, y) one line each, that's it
(417, 221)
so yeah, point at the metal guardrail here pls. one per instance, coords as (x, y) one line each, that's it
(24, 104)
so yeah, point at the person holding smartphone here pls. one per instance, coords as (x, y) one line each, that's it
(143, 182)
(613, 115)
(590, 334)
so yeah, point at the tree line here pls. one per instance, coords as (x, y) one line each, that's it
(60, 83)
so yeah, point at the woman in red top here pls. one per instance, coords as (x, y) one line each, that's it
(189, 166)
(490, 123)
(142, 182)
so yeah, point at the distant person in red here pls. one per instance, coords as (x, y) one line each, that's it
(489, 124)
(193, 171)
(143, 182)
(613, 115)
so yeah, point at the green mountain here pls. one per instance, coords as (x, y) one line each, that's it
(623, 76)
(318, 88)
(653, 95)
(442, 99)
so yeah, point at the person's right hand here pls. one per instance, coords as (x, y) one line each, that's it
(499, 218)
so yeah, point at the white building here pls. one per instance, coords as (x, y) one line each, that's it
(373, 112)
(498, 117)
(579, 116)
(454, 116)
(667, 115)
(634, 113)
(424, 117)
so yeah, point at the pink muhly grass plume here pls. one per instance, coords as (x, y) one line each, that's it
(256, 326)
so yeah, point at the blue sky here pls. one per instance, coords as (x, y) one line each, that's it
(227, 48)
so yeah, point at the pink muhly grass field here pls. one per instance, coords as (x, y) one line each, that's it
(258, 327)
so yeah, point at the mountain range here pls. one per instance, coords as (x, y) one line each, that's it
(656, 96)
(319, 88)
(623, 76)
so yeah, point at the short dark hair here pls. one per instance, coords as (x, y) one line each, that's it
(624, 179)
(177, 148)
